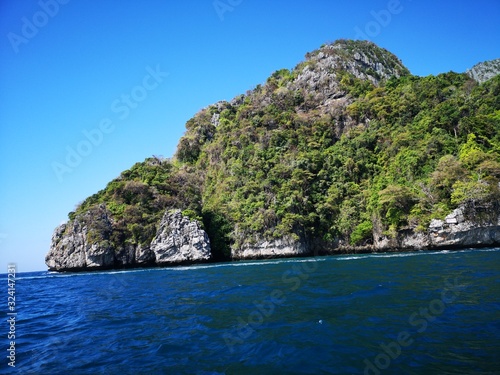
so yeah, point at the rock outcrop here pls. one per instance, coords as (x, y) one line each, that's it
(84, 244)
(484, 71)
(67, 250)
(460, 229)
(457, 230)
(321, 73)
(180, 240)
(364, 60)
(275, 248)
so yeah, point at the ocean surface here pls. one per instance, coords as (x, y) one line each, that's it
(407, 313)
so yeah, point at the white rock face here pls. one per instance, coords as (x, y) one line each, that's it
(454, 231)
(100, 255)
(484, 71)
(282, 247)
(67, 251)
(70, 248)
(180, 240)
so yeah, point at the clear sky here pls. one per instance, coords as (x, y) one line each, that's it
(88, 88)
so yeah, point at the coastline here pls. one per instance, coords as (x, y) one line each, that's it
(341, 250)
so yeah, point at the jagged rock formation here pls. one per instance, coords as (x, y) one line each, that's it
(276, 248)
(364, 60)
(74, 245)
(484, 71)
(457, 230)
(83, 243)
(67, 250)
(180, 240)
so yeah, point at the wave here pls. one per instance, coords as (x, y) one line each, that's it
(485, 250)
(52, 274)
(248, 263)
(414, 253)
(46, 276)
(382, 255)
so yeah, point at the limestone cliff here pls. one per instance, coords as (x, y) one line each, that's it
(485, 70)
(461, 228)
(84, 244)
(180, 240)
(276, 248)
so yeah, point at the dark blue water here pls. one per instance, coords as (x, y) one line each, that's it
(411, 313)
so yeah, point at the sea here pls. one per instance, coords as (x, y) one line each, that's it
(422, 312)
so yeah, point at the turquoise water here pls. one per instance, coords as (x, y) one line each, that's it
(409, 313)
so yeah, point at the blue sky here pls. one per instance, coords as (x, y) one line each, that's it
(88, 88)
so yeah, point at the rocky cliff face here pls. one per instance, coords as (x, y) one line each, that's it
(84, 243)
(460, 229)
(364, 60)
(457, 230)
(484, 71)
(321, 74)
(277, 248)
(180, 240)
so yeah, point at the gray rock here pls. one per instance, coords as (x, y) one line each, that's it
(215, 119)
(454, 231)
(484, 71)
(456, 216)
(100, 255)
(458, 232)
(435, 223)
(125, 255)
(144, 254)
(415, 241)
(73, 247)
(68, 248)
(275, 248)
(320, 75)
(180, 240)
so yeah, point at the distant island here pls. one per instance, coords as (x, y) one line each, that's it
(347, 152)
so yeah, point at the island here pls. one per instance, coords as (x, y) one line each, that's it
(346, 152)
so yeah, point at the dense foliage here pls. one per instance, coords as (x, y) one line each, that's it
(138, 198)
(340, 160)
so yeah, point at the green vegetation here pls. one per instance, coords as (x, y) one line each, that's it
(137, 200)
(279, 161)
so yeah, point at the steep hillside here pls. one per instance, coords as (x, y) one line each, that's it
(346, 149)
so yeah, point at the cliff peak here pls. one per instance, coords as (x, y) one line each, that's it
(363, 59)
(485, 70)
